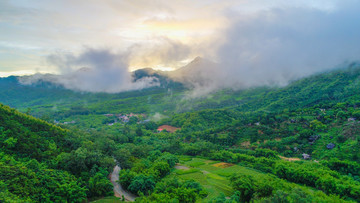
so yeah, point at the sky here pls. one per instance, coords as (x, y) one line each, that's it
(253, 42)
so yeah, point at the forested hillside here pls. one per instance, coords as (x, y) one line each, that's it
(298, 143)
(41, 162)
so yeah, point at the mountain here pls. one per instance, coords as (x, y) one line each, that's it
(299, 142)
(199, 73)
(334, 86)
(161, 76)
(30, 89)
(196, 67)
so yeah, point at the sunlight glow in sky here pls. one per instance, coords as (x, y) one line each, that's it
(161, 34)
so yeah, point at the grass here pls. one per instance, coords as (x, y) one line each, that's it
(214, 179)
(183, 159)
(182, 172)
(195, 164)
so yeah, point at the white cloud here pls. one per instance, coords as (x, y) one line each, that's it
(254, 42)
(276, 45)
(102, 71)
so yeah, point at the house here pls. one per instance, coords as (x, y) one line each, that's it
(306, 156)
(168, 128)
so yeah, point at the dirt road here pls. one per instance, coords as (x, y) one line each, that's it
(118, 190)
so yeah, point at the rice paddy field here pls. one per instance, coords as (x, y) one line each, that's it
(212, 175)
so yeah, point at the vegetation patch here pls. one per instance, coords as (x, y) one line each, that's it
(182, 172)
(290, 158)
(223, 165)
(196, 164)
(245, 144)
(184, 159)
(181, 167)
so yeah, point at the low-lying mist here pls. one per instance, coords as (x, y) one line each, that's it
(102, 71)
(268, 47)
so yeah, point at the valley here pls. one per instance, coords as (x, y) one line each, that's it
(179, 101)
(299, 142)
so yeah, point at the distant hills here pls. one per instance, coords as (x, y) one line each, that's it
(172, 93)
(304, 135)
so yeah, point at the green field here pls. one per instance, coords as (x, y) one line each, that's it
(214, 179)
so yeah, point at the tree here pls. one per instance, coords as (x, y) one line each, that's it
(245, 185)
(341, 115)
(99, 185)
(139, 131)
(170, 159)
(142, 184)
(10, 142)
(266, 153)
(317, 125)
(185, 194)
(70, 192)
(123, 156)
(126, 177)
(161, 168)
(356, 114)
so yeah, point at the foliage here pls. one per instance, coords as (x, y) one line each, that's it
(41, 162)
(261, 134)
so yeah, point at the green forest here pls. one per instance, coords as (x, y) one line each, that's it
(296, 143)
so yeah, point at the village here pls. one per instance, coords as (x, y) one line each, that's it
(141, 119)
(125, 118)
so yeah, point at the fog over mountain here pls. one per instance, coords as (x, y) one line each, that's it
(267, 47)
(102, 71)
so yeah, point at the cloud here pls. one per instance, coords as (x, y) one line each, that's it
(157, 117)
(70, 24)
(94, 70)
(251, 43)
(160, 51)
(106, 70)
(277, 45)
